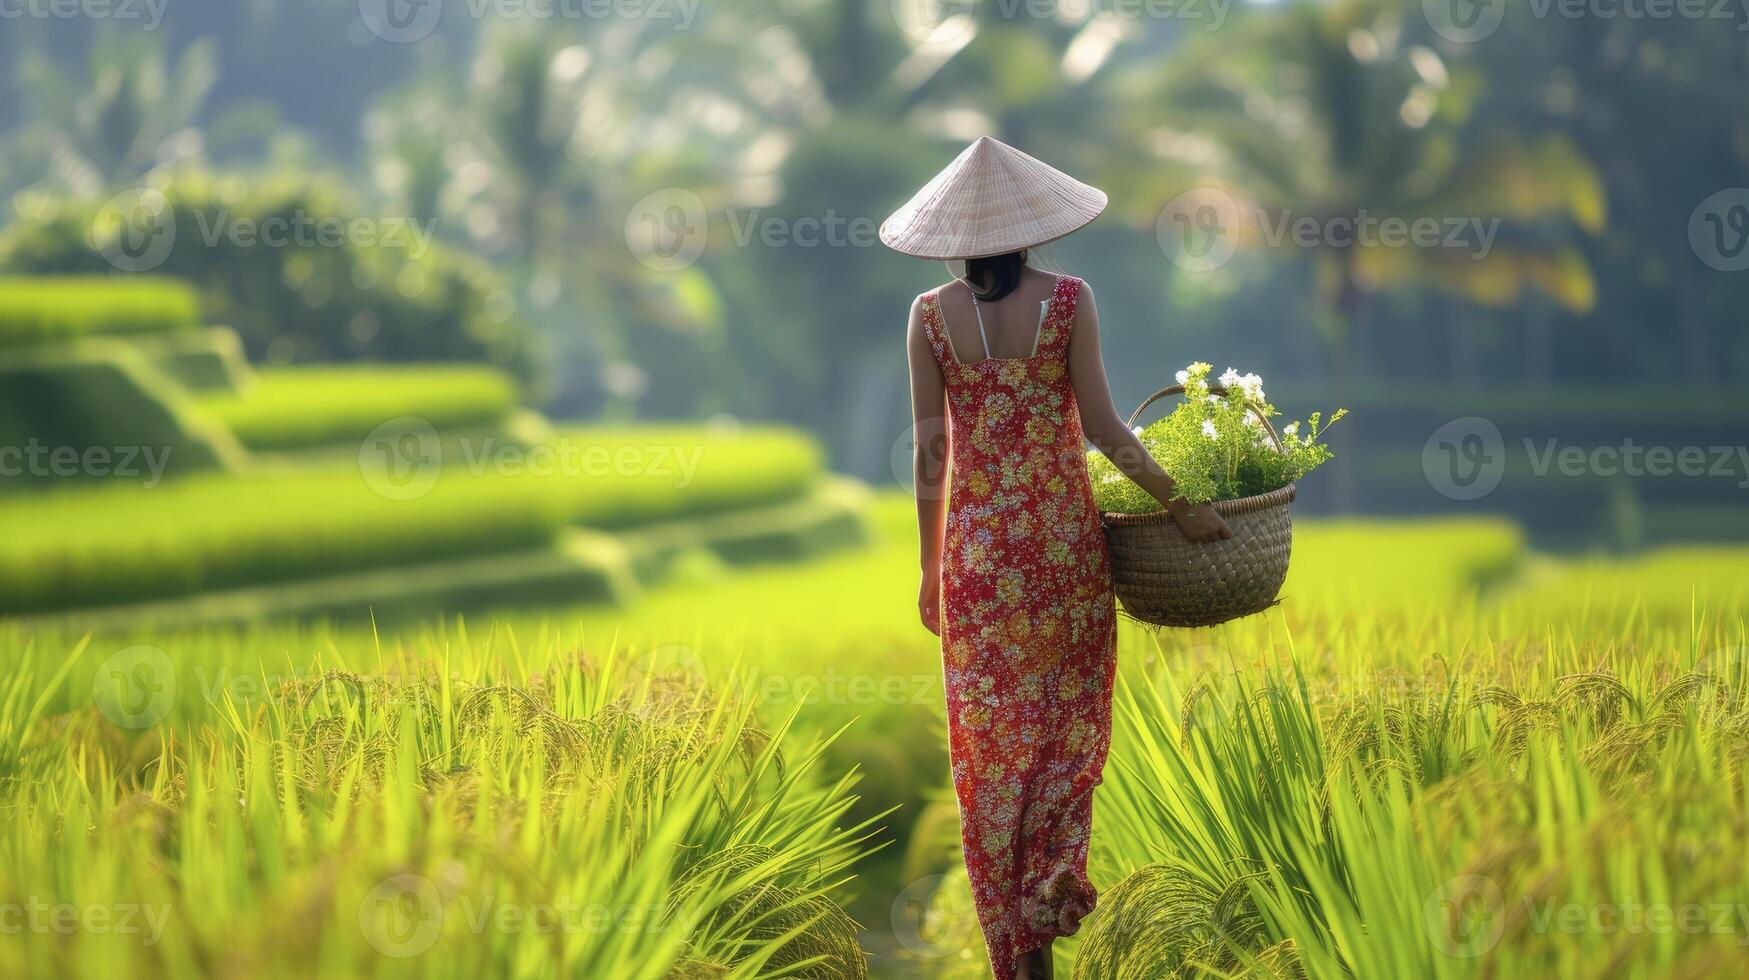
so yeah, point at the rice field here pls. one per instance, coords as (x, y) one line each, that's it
(46, 310)
(85, 546)
(436, 818)
(1443, 756)
(294, 408)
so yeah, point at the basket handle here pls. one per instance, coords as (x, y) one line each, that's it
(1214, 389)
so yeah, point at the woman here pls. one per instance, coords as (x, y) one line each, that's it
(1005, 369)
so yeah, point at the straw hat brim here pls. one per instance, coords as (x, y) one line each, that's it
(991, 200)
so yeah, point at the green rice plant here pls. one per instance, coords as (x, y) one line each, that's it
(770, 916)
(1452, 828)
(23, 701)
(1184, 926)
(440, 817)
(1222, 788)
(57, 309)
(301, 407)
(1407, 647)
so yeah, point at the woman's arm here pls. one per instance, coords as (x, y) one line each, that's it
(1103, 427)
(929, 462)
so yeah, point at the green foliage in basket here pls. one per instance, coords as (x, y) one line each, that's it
(1214, 447)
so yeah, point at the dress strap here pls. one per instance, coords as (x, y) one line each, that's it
(1060, 314)
(1069, 290)
(935, 328)
(981, 335)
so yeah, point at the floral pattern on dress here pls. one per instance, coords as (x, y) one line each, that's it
(1028, 634)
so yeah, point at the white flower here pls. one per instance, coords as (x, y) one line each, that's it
(1249, 384)
(1252, 386)
(1136, 429)
(1291, 429)
(1183, 377)
(1208, 429)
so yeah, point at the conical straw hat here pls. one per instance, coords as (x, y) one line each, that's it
(990, 200)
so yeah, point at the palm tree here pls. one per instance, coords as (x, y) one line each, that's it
(535, 157)
(875, 94)
(1323, 111)
(131, 110)
(1661, 107)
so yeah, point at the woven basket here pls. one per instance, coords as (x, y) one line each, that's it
(1165, 579)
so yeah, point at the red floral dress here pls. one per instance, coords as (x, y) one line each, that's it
(1028, 634)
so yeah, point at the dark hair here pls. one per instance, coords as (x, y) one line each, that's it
(994, 277)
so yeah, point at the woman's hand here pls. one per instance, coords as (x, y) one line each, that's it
(929, 602)
(1200, 523)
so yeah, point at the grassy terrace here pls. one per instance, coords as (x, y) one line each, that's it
(47, 310)
(296, 408)
(118, 543)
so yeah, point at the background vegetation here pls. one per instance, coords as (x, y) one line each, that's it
(777, 136)
(449, 477)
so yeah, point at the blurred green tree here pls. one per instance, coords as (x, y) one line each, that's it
(1324, 112)
(536, 156)
(131, 108)
(1661, 105)
(288, 262)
